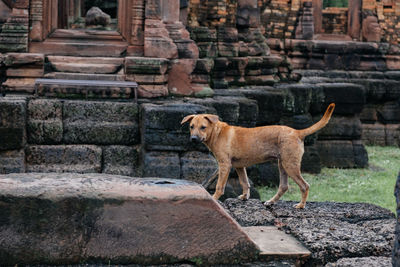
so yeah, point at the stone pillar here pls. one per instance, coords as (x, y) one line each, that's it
(137, 25)
(157, 42)
(396, 249)
(14, 35)
(305, 29)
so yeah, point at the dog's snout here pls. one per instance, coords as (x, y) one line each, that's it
(194, 139)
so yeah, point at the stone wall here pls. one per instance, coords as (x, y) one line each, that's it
(374, 66)
(146, 138)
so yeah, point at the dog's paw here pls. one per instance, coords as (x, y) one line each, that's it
(299, 206)
(269, 203)
(244, 197)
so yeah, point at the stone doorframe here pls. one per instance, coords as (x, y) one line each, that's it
(131, 15)
(353, 23)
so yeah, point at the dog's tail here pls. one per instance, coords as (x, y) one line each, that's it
(324, 121)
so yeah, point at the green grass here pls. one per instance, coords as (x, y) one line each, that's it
(374, 184)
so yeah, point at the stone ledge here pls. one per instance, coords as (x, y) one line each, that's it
(104, 219)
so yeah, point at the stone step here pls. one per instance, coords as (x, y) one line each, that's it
(85, 76)
(86, 68)
(85, 60)
(112, 49)
(85, 88)
(109, 219)
(92, 65)
(274, 243)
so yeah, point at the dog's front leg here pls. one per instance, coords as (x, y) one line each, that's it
(244, 182)
(224, 169)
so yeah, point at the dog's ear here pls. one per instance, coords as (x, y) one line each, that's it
(212, 118)
(187, 119)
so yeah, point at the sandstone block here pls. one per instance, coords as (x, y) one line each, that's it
(45, 124)
(392, 132)
(264, 174)
(94, 122)
(121, 160)
(179, 79)
(197, 166)
(341, 128)
(152, 90)
(161, 164)
(270, 103)
(349, 98)
(389, 113)
(227, 108)
(106, 219)
(12, 161)
(311, 161)
(369, 114)
(374, 134)
(140, 65)
(61, 158)
(342, 154)
(161, 126)
(21, 59)
(160, 47)
(12, 123)
(298, 99)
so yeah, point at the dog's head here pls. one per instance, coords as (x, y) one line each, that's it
(200, 126)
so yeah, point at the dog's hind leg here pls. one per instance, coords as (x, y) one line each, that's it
(222, 179)
(244, 182)
(295, 174)
(283, 185)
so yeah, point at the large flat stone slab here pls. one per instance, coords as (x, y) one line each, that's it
(104, 219)
(276, 243)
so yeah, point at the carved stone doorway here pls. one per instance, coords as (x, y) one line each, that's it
(58, 27)
(337, 19)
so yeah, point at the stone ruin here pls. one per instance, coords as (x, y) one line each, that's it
(252, 62)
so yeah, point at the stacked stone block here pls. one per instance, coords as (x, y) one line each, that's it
(12, 134)
(14, 33)
(21, 71)
(149, 73)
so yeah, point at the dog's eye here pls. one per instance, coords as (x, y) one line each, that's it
(202, 127)
(191, 127)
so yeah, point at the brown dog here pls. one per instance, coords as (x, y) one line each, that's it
(240, 147)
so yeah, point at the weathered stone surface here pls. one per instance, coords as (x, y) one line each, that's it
(60, 158)
(389, 112)
(105, 219)
(45, 124)
(227, 108)
(179, 79)
(113, 123)
(96, 17)
(12, 161)
(161, 164)
(349, 98)
(12, 123)
(374, 134)
(311, 161)
(361, 262)
(341, 128)
(249, 213)
(264, 174)
(20, 59)
(270, 104)
(140, 65)
(396, 249)
(19, 85)
(121, 160)
(342, 154)
(197, 166)
(329, 230)
(161, 126)
(392, 132)
(298, 99)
